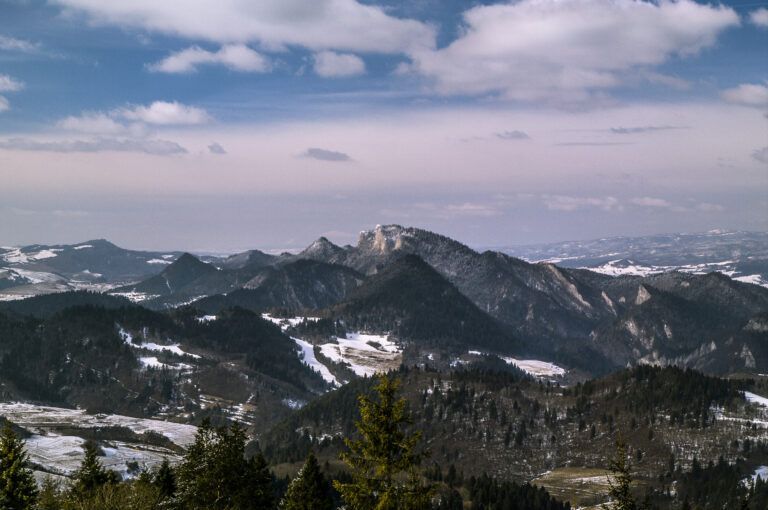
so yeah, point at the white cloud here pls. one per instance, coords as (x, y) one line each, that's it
(237, 57)
(20, 45)
(93, 122)
(750, 94)
(314, 24)
(163, 113)
(153, 147)
(8, 84)
(329, 64)
(759, 17)
(651, 202)
(135, 121)
(545, 49)
(569, 203)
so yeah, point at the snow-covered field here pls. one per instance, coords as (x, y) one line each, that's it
(536, 368)
(62, 454)
(40, 418)
(365, 354)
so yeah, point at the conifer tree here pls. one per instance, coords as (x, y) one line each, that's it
(216, 475)
(165, 480)
(620, 482)
(92, 475)
(384, 460)
(17, 484)
(309, 490)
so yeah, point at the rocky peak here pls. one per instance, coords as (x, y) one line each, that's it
(382, 240)
(321, 248)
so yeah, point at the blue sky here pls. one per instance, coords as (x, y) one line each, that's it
(234, 124)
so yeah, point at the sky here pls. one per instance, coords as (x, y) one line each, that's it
(234, 124)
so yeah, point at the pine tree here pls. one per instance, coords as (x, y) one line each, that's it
(620, 482)
(309, 490)
(92, 475)
(17, 484)
(216, 475)
(165, 480)
(384, 461)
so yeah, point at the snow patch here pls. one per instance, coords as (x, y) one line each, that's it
(536, 368)
(159, 261)
(756, 399)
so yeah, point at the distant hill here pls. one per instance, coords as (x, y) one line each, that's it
(740, 255)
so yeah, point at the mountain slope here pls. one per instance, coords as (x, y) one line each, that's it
(296, 286)
(412, 301)
(561, 311)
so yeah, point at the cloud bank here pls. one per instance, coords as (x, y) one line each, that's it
(153, 147)
(346, 25)
(550, 49)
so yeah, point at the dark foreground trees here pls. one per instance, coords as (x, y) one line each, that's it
(215, 474)
(17, 485)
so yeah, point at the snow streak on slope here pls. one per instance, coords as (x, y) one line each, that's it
(152, 361)
(308, 357)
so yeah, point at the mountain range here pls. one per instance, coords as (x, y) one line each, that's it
(436, 294)
(523, 370)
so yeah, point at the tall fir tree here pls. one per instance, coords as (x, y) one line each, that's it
(309, 490)
(384, 460)
(620, 482)
(18, 489)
